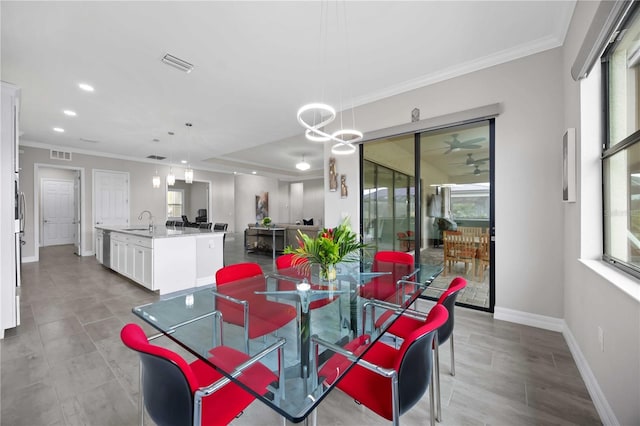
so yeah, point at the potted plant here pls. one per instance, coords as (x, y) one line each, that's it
(330, 247)
(266, 221)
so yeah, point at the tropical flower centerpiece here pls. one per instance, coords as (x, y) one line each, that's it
(266, 221)
(330, 247)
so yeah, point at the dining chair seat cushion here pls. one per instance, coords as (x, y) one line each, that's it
(338, 364)
(265, 316)
(257, 376)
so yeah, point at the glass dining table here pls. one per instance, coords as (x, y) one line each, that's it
(334, 312)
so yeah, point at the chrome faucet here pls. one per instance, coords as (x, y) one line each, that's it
(150, 219)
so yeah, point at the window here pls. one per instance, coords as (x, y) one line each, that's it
(621, 154)
(175, 203)
(470, 201)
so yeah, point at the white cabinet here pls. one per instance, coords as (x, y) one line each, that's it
(132, 256)
(143, 266)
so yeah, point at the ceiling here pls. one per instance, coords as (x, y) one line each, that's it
(255, 64)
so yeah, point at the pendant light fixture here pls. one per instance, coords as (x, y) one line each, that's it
(156, 179)
(316, 115)
(188, 173)
(303, 165)
(171, 178)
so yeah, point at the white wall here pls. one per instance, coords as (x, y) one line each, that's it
(142, 196)
(593, 294)
(313, 201)
(246, 189)
(528, 260)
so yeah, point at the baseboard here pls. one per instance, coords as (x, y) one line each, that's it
(526, 318)
(607, 416)
(29, 259)
(88, 253)
(600, 402)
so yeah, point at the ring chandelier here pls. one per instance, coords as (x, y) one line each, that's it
(344, 137)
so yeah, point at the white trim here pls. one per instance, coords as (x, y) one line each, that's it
(36, 205)
(29, 259)
(607, 416)
(614, 276)
(526, 318)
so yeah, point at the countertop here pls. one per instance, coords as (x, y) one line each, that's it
(160, 231)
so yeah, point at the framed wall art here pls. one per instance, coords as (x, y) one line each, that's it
(569, 166)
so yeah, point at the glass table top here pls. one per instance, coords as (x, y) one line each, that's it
(274, 308)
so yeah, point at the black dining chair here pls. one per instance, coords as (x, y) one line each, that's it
(386, 380)
(177, 393)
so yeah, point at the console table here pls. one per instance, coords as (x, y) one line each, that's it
(265, 239)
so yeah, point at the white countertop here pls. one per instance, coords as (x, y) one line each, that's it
(160, 231)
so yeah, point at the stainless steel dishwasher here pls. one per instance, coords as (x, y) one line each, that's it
(106, 248)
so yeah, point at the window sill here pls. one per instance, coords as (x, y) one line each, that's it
(619, 279)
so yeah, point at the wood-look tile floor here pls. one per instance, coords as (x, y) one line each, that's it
(65, 364)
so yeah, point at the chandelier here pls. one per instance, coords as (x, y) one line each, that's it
(315, 116)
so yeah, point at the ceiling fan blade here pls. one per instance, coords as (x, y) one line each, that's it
(448, 150)
(469, 146)
(472, 141)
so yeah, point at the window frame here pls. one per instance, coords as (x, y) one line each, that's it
(625, 144)
(181, 204)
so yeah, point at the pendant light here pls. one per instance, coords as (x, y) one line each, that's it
(303, 165)
(188, 173)
(316, 115)
(171, 178)
(156, 179)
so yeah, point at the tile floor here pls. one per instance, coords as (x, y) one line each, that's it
(65, 364)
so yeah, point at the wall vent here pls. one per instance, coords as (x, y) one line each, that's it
(59, 155)
(156, 157)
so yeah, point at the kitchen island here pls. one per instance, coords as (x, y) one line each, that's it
(165, 259)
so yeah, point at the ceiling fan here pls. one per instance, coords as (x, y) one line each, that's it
(456, 145)
(477, 171)
(473, 162)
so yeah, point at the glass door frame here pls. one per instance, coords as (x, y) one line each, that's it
(418, 198)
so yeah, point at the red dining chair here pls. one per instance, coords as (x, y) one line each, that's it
(177, 393)
(405, 325)
(286, 262)
(239, 304)
(385, 287)
(402, 241)
(391, 381)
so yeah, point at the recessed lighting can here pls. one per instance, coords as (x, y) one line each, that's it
(69, 113)
(86, 87)
(58, 129)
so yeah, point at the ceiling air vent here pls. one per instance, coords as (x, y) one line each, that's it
(177, 63)
(59, 155)
(156, 157)
(89, 140)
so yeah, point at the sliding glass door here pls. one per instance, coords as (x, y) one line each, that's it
(454, 195)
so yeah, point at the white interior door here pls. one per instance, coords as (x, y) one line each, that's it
(77, 204)
(58, 212)
(111, 198)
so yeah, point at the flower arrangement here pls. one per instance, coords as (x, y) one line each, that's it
(266, 221)
(330, 247)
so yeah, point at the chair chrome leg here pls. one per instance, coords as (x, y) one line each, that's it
(453, 363)
(140, 397)
(432, 415)
(436, 379)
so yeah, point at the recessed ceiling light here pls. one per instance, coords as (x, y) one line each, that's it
(58, 129)
(86, 87)
(183, 161)
(253, 172)
(178, 63)
(69, 113)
